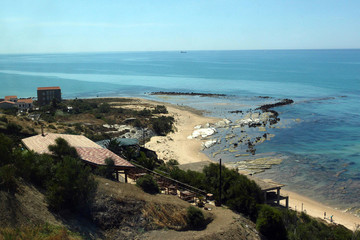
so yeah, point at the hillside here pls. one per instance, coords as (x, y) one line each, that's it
(122, 211)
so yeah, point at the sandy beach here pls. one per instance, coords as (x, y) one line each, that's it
(177, 146)
(317, 209)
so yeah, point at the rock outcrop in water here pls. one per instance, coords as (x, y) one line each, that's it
(188, 94)
(266, 107)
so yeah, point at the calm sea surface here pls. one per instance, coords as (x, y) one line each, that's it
(321, 149)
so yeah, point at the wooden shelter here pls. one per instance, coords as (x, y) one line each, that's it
(271, 191)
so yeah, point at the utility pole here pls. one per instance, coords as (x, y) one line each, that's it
(220, 184)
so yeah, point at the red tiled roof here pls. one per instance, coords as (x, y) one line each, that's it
(26, 100)
(48, 88)
(7, 102)
(88, 150)
(98, 156)
(7, 98)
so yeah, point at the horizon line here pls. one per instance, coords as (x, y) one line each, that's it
(179, 50)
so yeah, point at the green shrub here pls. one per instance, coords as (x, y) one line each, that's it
(7, 177)
(162, 125)
(148, 184)
(72, 186)
(6, 153)
(195, 218)
(13, 128)
(107, 171)
(270, 223)
(61, 148)
(104, 108)
(160, 109)
(145, 161)
(4, 119)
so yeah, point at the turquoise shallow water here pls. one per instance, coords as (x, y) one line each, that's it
(324, 84)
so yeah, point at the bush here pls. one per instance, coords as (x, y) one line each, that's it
(145, 161)
(104, 108)
(13, 128)
(72, 186)
(6, 153)
(148, 184)
(160, 109)
(62, 149)
(106, 171)
(7, 177)
(195, 218)
(162, 125)
(4, 119)
(270, 223)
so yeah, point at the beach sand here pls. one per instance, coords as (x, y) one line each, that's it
(177, 146)
(317, 209)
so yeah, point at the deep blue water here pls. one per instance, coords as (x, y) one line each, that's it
(325, 85)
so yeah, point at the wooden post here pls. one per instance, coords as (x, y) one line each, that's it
(117, 175)
(126, 173)
(278, 196)
(265, 198)
(220, 184)
(287, 202)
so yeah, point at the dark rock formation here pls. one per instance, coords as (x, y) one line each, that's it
(188, 94)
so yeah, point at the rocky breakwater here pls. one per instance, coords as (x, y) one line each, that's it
(188, 94)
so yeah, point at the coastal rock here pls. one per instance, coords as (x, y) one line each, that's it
(209, 143)
(222, 123)
(203, 132)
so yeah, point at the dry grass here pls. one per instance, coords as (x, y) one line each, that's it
(169, 216)
(42, 232)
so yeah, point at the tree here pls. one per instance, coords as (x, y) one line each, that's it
(107, 171)
(62, 149)
(72, 186)
(270, 223)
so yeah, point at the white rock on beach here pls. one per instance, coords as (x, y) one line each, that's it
(223, 123)
(209, 143)
(203, 132)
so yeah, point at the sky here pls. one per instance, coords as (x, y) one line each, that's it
(50, 26)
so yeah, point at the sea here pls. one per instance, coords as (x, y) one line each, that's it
(317, 137)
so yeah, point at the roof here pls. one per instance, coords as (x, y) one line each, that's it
(98, 156)
(7, 102)
(88, 150)
(48, 88)
(7, 98)
(25, 100)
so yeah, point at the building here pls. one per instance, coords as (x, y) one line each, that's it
(24, 104)
(46, 94)
(7, 105)
(11, 98)
(90, 152)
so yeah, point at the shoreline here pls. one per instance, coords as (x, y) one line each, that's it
(177, 146)
(316, 209)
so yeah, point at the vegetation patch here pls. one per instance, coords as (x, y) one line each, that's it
(166, 216)
(40, 232)
(148, 184)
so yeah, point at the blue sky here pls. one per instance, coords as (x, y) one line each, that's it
(151, 25)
